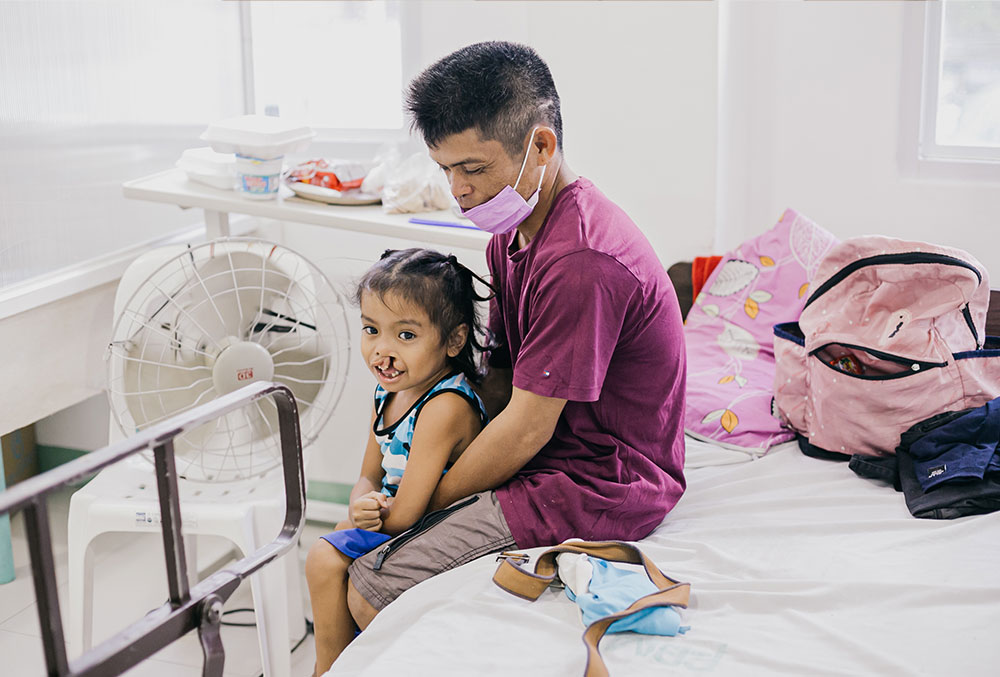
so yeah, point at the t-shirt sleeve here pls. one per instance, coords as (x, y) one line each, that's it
(575, 320)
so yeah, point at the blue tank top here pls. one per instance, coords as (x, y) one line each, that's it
(395, 438)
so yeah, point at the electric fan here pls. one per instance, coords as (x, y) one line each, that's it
(193, 323)
(212, 318)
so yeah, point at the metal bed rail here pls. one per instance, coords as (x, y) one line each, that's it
(188, 608)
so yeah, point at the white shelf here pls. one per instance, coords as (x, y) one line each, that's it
(173, 187)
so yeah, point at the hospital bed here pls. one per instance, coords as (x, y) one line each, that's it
(797, 566)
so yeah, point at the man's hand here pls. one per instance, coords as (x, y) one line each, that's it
(368, 510)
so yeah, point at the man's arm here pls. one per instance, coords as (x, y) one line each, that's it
(505, 445)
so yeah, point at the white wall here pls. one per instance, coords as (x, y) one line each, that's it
(819, 94)
(638, 90)
(81, 426)
(812, 107)
(52, 357)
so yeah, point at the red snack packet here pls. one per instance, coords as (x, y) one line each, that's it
(335, 176)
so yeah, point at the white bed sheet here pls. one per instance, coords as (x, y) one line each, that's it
(701, 453)
(797, 567)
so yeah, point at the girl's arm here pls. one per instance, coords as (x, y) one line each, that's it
(446, 423)
(371, 472)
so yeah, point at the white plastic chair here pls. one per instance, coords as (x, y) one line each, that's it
(123, 498)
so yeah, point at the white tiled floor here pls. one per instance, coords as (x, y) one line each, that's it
(130, 581)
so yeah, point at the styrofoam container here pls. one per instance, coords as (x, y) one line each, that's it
(258, 136)
(258, 178)
(206, 166)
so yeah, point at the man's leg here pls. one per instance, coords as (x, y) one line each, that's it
(470, 528)
(326, 575)
(361, 609)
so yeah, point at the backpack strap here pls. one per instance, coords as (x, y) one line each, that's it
(530, 585)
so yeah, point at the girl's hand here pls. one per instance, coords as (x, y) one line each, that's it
(367, 510)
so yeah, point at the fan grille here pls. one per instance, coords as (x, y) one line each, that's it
(217, 316)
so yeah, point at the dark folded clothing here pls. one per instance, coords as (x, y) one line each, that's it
(951, 499)
(946, 466)
(885, 468)
(962, 447)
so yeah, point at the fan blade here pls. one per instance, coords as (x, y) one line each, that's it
(301, 362)
(161, 376)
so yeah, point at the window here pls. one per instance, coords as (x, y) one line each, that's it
(332, 66)
(961, 84)
(96, 93)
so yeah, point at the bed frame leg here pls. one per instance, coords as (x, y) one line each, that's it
(211, 640)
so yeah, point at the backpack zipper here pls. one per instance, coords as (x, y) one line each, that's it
(914, 365)
(967, 314)
(425, 523)
(903, 258)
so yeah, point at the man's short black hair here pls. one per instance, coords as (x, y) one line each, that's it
(500, 89)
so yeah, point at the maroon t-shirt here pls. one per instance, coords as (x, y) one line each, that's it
(588, 315)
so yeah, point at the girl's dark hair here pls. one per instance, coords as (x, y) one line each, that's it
(440, 285)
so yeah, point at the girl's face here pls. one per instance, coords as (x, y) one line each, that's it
(401, 346)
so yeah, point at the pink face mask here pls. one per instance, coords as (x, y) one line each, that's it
(506, 210)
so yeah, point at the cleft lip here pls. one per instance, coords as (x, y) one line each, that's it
(385, 366)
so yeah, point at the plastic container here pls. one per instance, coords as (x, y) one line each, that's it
(258, 178)
(258, 136)
(206, 166)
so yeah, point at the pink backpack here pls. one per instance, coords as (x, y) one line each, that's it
(892, 333)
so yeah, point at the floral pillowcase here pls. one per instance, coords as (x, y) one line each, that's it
(730, 350)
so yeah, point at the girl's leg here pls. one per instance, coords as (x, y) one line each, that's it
(326, 574)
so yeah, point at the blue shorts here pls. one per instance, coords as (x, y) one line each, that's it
(355, 542)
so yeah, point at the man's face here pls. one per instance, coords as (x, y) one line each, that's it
(477, 169)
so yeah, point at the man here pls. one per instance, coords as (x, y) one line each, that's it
(591, 367)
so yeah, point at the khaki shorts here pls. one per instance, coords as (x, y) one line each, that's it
(442, 540)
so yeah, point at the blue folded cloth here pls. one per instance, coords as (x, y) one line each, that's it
(963, 449)
(355, 542)
(612, 590)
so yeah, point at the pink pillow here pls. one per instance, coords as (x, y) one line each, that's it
(730, 350)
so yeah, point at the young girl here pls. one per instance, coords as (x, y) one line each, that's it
(419, 328)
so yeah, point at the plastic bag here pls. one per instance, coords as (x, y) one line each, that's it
(414, 185)
(386, 160)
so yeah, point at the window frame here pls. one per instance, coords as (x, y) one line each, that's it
(920, 155)
(342, 141)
